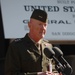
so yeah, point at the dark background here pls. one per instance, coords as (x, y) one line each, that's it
(68, 49)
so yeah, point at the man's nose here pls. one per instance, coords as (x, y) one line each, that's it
(42, 26)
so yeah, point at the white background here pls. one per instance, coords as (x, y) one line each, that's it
(13, 14)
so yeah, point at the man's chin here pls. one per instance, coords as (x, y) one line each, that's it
(42, 36)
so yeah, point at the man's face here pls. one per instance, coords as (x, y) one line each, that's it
(37, 28)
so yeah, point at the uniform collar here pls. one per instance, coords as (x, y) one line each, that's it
(36, 43)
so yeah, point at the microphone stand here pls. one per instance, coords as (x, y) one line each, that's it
(65, 71)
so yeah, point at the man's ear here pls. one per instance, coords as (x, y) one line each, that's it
(29, 24)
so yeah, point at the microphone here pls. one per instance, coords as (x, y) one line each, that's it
(51, 54)
(59, 54)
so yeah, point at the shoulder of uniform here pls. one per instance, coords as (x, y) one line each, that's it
(16, 40)
(47, 43)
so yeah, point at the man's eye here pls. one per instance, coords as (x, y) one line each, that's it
(40, 24)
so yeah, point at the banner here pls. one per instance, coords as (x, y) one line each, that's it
(61, 17)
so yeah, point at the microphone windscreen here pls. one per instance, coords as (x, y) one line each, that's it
(49, 52)
(57, 51)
